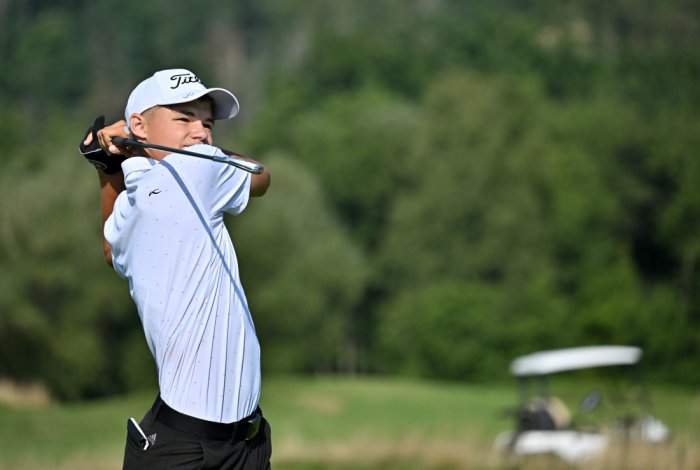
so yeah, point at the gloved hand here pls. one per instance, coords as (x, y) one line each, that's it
(108, 162)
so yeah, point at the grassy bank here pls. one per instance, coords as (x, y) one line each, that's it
(348, 424)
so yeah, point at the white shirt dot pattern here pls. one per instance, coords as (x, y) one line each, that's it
(168, 239)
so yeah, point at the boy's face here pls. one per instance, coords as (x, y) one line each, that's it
(179, 125)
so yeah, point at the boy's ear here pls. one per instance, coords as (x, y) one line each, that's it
(138, 126)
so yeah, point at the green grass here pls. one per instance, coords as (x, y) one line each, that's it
(52, 436)
(322, 423)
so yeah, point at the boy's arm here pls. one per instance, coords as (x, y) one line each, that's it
(258, 183)
(98, 149)
(110, 187)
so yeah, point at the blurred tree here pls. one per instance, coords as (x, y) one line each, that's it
(466, 207)
(64, 312)
(60, 75)
(510, 191)
(444, 330)
(357, 143)
(471, 211)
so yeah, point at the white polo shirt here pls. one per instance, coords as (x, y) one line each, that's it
(168, 239)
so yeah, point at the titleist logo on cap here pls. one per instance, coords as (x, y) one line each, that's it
(184, 78)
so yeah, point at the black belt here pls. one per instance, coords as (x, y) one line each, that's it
(242, 430)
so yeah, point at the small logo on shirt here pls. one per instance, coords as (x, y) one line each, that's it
(155, 191)
(152, 439)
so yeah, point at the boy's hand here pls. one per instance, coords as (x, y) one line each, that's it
(97, 147)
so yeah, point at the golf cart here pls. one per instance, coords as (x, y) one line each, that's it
(546, 425)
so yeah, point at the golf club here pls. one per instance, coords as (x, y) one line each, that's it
(237, 162)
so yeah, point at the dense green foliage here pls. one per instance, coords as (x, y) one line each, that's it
(454, 183)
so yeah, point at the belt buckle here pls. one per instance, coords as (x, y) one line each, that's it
(253, 426)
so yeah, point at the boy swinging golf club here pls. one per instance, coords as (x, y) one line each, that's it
(162, 215)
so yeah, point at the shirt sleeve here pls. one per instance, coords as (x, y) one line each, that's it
(112, 232)
(222, 187)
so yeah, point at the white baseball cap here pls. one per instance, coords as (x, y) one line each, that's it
(178, 86)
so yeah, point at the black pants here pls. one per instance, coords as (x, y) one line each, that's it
(173, 449)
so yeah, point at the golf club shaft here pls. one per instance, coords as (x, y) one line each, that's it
(245, 165)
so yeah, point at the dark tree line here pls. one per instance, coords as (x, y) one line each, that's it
(454, 183)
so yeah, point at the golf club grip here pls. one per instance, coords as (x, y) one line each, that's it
(237, 162)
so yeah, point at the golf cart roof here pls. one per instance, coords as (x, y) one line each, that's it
(560, 360)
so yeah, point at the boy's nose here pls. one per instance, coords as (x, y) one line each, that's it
(199, 132)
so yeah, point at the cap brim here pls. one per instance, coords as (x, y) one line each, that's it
(225, 103)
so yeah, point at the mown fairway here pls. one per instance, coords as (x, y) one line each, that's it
(342, 423)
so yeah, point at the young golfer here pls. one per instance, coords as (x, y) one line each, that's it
(163, 227)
